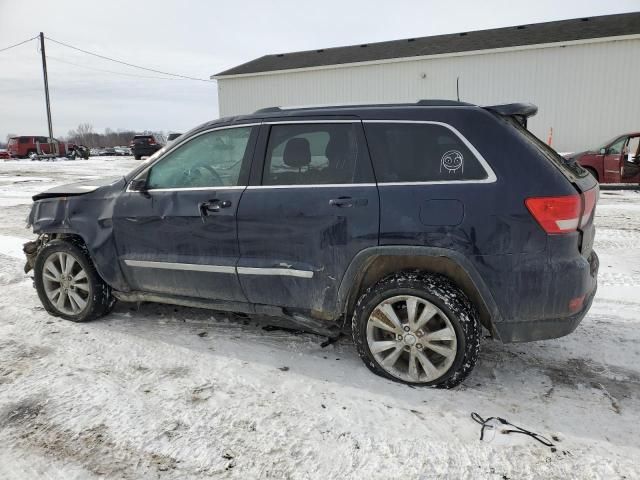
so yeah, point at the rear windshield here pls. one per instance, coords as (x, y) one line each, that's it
(569, 168)
(142, 137)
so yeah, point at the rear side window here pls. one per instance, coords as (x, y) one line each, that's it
(25, 139)
(316, 154)
(420, 152)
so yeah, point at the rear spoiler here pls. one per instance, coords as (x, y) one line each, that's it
(519, 111)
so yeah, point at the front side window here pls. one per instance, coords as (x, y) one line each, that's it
(421, 152)
(617, 147)
(316, 154)
(213, 159)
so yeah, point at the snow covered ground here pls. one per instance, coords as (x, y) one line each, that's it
(169, 392)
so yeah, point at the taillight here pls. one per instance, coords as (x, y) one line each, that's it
(556, 214)
(152, 142)
(590, 198)
(563, 214)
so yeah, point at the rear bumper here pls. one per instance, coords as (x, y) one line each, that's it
(557, 326)
(145, 150)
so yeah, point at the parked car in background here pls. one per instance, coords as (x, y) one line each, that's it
(171, 137)
(5, 155)
(25, 146)
(617, 161)
(107, 152)
(406, 225)
(122, 151)
(94, 152)
(144, 145)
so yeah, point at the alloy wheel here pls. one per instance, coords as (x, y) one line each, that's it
(66, 283)
(411, 339)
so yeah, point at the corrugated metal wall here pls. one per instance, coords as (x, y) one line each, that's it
(586, 92)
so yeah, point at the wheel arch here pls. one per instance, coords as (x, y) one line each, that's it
(373, 264)
(593, 171)
(101, 254)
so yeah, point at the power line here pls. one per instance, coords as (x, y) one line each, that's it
(49, 57)
(18, 44)
(128, 64)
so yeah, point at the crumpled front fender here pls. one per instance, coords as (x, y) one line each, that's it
(89, 217)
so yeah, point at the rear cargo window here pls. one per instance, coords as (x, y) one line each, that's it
(420, 152)
(566, 167)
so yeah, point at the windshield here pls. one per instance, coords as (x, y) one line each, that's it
(605, 144)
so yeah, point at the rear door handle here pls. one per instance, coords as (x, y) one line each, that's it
(346, 202)
(213, 206)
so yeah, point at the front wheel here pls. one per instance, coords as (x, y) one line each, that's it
(68, 284)
(417, 328)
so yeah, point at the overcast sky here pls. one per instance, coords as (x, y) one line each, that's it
(200, 38)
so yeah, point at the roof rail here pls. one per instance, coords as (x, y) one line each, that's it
(442, 103)
(268, 110)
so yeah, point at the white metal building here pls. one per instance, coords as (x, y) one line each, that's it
(583, 74)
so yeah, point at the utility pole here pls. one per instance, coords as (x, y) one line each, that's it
(46, 88)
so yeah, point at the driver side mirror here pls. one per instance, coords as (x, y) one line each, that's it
(603, 151)
(138, 185)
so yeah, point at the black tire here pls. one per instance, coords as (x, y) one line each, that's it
(439, 291)
(99, 302)
(137, 157)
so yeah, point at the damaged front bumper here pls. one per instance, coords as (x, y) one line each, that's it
(31, 250)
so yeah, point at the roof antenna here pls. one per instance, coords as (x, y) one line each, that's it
(458, 87)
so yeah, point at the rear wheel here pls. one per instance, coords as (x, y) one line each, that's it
(417, 328)
(137, 157)
(68, 284)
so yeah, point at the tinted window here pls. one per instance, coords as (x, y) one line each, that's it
(25, 139)
(213, 159)
(405, 152)
(308, 154)
(173, 136)
(567, 168)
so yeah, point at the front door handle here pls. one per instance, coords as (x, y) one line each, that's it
(346, 202)
(213, 206)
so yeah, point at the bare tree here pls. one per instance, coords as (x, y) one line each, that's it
(84, 135)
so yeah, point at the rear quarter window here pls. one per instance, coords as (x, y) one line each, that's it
(421, 152)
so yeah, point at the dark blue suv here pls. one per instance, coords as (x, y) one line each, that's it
(414, 226)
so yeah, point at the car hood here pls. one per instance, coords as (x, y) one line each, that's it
(572, 157)
(77, 188)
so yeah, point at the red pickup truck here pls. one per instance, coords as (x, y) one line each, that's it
(617, 161)
(24, 146)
